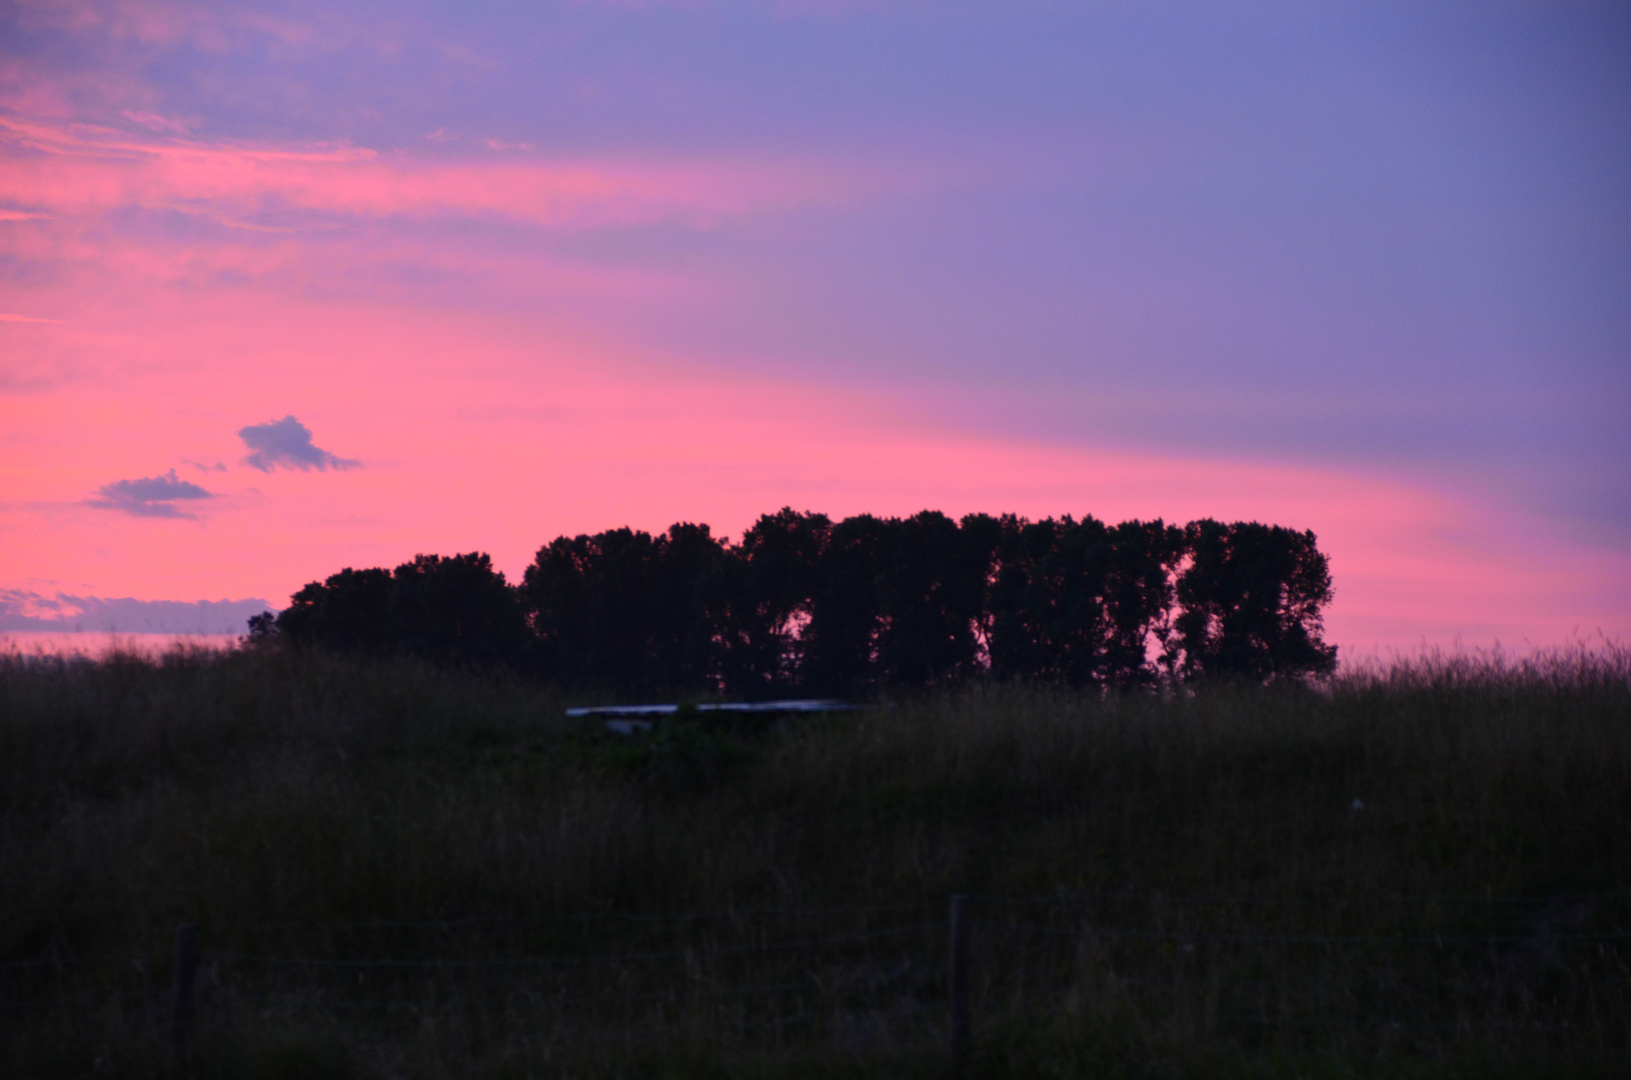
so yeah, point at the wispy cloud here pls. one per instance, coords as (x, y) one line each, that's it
(86, 169)
(153, 496)
(286, 444)
(206, 27)
(8, 316)
(156, 122)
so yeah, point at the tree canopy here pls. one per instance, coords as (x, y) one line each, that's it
(805, 604)
(455, 610)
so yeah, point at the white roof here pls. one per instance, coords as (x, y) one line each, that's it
(801, 705)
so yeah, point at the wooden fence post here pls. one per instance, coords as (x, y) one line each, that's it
(181, 1004)
(960, 921)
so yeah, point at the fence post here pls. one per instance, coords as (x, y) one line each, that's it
(959, 983)
(181, 1004)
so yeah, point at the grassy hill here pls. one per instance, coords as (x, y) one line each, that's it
(395, 871)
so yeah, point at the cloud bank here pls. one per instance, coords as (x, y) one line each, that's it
(286, 444)
(25, 610)
(153, 496)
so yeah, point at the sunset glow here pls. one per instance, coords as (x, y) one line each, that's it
(651, 284)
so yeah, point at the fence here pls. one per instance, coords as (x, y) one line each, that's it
(1345, 976)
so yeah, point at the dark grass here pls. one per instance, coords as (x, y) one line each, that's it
(1168, 884)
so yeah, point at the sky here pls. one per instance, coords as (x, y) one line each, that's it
(289, 287)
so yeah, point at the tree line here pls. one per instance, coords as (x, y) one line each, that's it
(804, 604)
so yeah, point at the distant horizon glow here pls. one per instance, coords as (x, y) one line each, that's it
(98, 644)
(289, 291)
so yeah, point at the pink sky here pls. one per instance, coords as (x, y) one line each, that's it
(463, 317)
(530, 433)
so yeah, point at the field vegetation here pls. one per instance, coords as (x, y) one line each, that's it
(1421, 869)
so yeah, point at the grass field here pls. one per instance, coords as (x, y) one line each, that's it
(1423, 870)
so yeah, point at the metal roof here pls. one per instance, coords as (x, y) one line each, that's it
(801, 705)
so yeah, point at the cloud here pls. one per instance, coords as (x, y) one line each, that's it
(85, 170)
(156, 122)
(165, 22)
(23, 609)
(287, 444)
(153, 496)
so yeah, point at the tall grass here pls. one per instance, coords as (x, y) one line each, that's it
(1233, 878)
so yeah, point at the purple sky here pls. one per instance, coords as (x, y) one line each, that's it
(1387, 243)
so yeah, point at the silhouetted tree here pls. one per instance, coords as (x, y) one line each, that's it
(805, 604)
(982, 538)
(1047, 600)
(1251, 599)
(349, 611)
(931, 590)
(685, 603)
(840, 641)
(1079, 603)
(622, 608)
(456, 610)
(1015, 600)
(767, 588)
(263, 630)
(587, 597)
(1138, 602)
